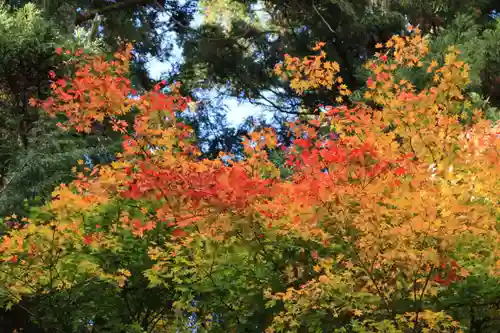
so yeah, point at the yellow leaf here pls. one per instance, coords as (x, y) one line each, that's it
(124, 272)
(323, 279)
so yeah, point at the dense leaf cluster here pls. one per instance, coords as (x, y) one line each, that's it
(368, 203)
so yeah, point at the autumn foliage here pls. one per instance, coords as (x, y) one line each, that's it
(399, 201)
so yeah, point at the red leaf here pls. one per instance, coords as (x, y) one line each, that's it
(400, 171)
(87, 239)
(314, 255)
(179, 233)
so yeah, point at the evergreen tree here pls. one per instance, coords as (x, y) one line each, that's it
(240, 40)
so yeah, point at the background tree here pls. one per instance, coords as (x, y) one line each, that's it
(239, 41)
(34, 155)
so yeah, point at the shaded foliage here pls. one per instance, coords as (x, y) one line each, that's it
(238, 50)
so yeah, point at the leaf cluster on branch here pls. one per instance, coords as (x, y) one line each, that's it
(382, 213)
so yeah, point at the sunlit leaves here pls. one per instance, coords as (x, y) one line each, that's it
(383, 198)
(311, 73)
(407, 215)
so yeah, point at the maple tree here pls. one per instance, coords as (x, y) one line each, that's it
(388, 207)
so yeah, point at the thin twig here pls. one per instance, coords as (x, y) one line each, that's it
(323, 19)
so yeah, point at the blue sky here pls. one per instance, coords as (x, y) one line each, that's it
(236, 111)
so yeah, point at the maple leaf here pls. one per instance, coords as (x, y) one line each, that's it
(318, 46)
(88, 239)
(323, 279)
(400, 171)
(179, 233)
(346, 192)
(357, 312)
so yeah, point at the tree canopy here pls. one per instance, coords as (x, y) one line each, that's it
(368, 203)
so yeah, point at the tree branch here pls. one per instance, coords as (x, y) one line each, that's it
(323, 19)
(119, 5)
